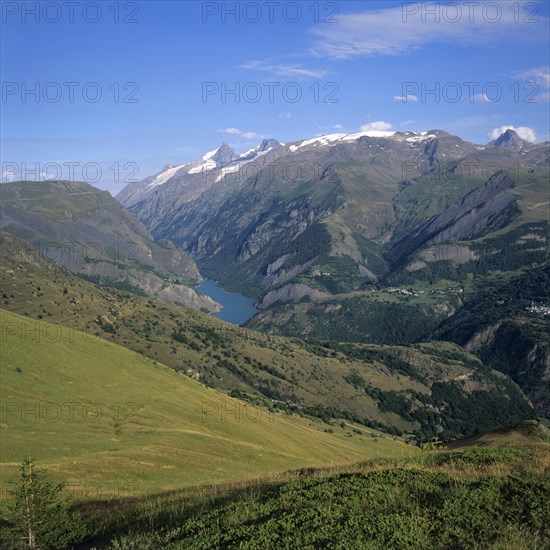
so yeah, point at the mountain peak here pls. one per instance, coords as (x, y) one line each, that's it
(509, 138)
(223, 154)
(269, 144)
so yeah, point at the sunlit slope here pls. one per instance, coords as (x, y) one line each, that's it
(529, 433)
(100, 415)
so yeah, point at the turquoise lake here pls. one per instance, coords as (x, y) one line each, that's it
(237, 308)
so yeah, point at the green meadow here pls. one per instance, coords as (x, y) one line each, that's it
(109, 420)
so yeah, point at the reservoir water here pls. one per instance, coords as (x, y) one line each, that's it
(237, 308)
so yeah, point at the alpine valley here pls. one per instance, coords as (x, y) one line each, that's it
(375, 237)
(275, 275)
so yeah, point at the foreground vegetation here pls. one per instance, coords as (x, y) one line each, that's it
(39, 516)
(475, 498)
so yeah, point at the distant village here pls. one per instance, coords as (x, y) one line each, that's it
(538, 309)
(413, 292)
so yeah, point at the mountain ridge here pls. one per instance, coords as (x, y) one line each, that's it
(91, 234)
(224, 154)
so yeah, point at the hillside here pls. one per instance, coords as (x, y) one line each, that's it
(425, 389)
(88, 232)
(104, 417)
(524, 435)
(497, 323)
(379, 316)
(506, 333)
(475, 498)
(428, 285)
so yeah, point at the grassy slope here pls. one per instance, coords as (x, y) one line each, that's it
(526, 434)
(57, 200)
(477, 498)
(90, 233)
(154, 427)
(229, 358)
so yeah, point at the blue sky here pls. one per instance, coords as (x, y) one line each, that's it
(165, 71)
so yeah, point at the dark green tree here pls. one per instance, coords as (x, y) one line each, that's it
(39, 517)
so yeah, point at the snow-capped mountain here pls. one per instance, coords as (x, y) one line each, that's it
(214, 159)
(216, 164)
(509, 139)
(212, 166)
(335, 139)
(373, 189)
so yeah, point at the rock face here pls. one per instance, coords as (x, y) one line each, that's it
(277, 274)
(89, 233)
(224, 155)
(466, 218)
(291, 293)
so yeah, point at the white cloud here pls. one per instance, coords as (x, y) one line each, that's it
(409, 26)
(237, 132)
(295, 71)
(284, 115)
(378, 125)
(405, 98)
(540, 75)
(523, 132)
(234, 131)
(482, 98)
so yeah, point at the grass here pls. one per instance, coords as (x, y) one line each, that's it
(527, 434)
(53, 201)
(477, 498)
(90, 233)
(104, 418)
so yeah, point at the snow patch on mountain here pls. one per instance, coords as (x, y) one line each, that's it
(164, 176)
(204, 166)
(332, 139)
(369, 133)
(209, 155)
(422, 137)
(248, 157)
(218, 158)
